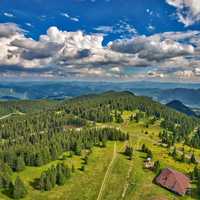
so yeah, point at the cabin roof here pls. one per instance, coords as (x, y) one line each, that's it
(174, 181)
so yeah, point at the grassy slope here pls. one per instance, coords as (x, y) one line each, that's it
(141, 179)
(141, 184)
(86, 185)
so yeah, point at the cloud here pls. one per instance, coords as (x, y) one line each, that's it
(185, 74)
(150, 28)
(8, 14)
(29, 24)
(9, 29)
(155, 74)
(187, 11)
(104, 29)
(71, 55)
(75, 19)
(115, 69)
(150, 12)
(122, 28)
(152, 48)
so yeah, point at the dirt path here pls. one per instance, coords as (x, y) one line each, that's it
(127, 181)
(107, 172)
(6, 116)
(126, 185)
(9, 115)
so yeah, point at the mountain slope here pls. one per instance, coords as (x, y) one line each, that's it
(179, 106)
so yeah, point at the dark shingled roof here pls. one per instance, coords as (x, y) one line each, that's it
(174, 181)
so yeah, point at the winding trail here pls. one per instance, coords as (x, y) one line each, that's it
(9, 115)
(127, 181)
(5, 116)
(107, 172)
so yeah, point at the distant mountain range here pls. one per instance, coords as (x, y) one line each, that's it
(179, 106)
(188, 94)
(189, 97)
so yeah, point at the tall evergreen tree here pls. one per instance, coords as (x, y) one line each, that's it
(20, 165)
(193, 159)
(19, 190)
(157, 167)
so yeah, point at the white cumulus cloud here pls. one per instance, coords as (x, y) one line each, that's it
(67, 54)
(188, 11)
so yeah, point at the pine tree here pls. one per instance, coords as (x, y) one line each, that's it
(38, 160)
(157, 167)
(183, 157)
(52, 174)
(195, 173)
(60, 176)
(198, 185)
(118, 118)
(48, 185)
(86, 160)
(78, 149)
(149, 153)
(143, 149)
(82, 168)
(104, 142)
(5, 180)
(174, 153)
(54, 153)
(19, 190)
(73, 168)
(131, 118)
(60, 180)
(20, 165)
(193, 159)
(129, 151)
(42, 181)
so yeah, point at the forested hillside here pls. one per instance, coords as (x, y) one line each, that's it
(179, 106)
(50, 129)
(26, 106)
(99, 108)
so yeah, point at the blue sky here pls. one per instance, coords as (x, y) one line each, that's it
(100, 39)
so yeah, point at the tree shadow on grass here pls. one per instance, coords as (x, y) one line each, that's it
(34, 183)
(143, 157)
(194, 193)
(123, 153)
(7, 193)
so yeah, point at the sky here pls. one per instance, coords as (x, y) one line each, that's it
(100, 40)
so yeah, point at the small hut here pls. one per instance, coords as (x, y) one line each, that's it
(148, 163)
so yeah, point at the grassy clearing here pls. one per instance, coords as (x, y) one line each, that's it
(117, 178)
(141, 184)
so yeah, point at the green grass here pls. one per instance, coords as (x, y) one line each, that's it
(141, 184)
(117, 177)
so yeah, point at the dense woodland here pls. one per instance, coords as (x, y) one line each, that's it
(99, 108)
(34, 140)
(26, 106)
